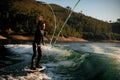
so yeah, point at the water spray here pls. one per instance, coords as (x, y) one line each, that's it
(54, 21)
(65, 22)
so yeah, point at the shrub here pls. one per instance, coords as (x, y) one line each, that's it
(9, 31)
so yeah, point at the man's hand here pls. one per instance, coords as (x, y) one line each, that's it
(43, 43)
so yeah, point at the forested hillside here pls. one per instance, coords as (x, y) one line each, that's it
(20, 17)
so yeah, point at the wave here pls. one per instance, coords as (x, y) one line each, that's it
(77, 61)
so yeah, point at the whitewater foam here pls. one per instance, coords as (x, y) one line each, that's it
(63, 51)
(19, 48)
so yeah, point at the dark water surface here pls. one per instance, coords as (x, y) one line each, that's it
(69, 61)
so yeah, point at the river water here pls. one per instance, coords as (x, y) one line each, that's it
(73, 60)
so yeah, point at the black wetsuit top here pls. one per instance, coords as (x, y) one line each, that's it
(38, 38)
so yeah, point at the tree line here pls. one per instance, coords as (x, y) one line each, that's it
(20, 17)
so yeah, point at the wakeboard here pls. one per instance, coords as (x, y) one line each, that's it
(37, 69)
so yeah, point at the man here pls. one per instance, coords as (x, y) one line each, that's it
(38, 39)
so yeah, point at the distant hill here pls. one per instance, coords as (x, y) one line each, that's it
(20, 17)
(116, 27)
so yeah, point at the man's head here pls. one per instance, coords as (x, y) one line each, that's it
(41, 18)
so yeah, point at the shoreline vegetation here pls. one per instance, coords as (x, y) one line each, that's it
(47, 38)
(17, 18)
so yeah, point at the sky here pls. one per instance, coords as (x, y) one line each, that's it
(105, 10)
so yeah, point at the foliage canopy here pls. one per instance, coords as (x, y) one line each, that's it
(20, 17)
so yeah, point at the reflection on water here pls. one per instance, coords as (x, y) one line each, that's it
(74, 60)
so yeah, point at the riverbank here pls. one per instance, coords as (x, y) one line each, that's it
(47, 38)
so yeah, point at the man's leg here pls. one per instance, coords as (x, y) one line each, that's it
(39, 57)
(34, 55)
